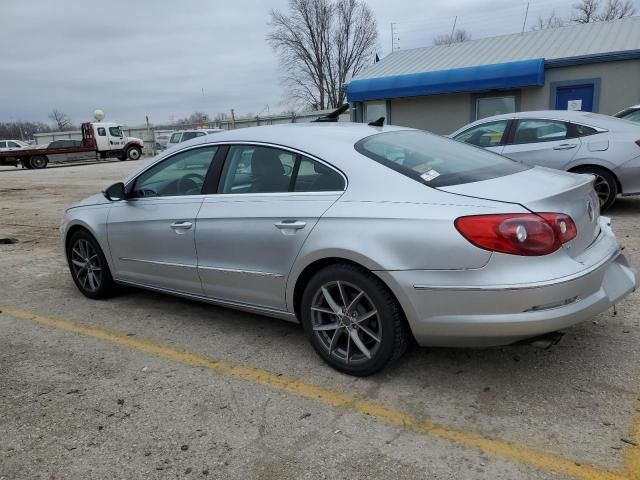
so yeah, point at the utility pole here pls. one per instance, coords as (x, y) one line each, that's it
(453, 30)
(395, 40)
(233, 119)
(526, 14)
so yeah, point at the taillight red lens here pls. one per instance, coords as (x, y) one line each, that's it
(563, 224)
(518, 234)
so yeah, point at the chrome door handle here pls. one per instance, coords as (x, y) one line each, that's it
(565, 146)
(181, 225)
(290, 225)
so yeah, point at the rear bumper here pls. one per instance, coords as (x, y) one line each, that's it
(478, 313)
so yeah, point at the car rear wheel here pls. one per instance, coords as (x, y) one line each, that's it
(605, 185)
(38, 162)
(134, 153)
(352, 320)
(89, 268)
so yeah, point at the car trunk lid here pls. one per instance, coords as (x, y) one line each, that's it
(543, 190)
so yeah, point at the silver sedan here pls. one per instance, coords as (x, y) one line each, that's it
(366, 235)
(580, 142)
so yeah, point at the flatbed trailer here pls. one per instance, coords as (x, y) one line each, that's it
(105, 140)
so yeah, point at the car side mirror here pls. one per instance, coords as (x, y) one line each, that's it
(115, 192)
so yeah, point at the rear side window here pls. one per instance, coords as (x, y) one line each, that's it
(577, 130)
(313, 176)
(434, 160)
(188, 136)
(536, 131)
(175, 138)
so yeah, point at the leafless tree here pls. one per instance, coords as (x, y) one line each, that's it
(61, 120)
(615, 9)
(586, 11)
(22, 130)
(458, 36)
(321, 44)
(550, 21)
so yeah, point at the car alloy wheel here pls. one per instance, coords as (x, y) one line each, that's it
(86, 265)
(603, 189)
(346, 322)
(352, 320)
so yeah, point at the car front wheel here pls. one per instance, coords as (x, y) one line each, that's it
(88, 265)
(352, 320)
(134, 153)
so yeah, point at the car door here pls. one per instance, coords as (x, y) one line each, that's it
(249, 233)
(541, 142)
(151, 234)
(488, 135)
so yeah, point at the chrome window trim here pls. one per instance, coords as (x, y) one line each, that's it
(286, 149)
(598, 129)
(260, 144)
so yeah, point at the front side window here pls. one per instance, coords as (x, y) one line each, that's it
(434, 160)
(115, 131)
(182, 174)
(485, 135)
(490, 106)
(175, 138)
(102, 132)
(13, 145)
(534, 131)
(3, 144)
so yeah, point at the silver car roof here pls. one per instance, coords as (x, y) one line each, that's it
(584, 118)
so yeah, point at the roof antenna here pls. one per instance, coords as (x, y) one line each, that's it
(377, 123)
(333, 116)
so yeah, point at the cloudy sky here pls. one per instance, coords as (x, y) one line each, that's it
(156, 58)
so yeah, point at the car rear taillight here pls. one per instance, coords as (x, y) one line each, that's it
(518, 234)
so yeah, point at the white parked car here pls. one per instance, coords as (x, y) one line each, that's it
(184, 135)
(579, 142)
(9, 145)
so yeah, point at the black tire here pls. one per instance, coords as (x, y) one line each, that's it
(102, 285)
(133, 153)
(38, 162)
(26, 163)
(606, 185)
(388, 325)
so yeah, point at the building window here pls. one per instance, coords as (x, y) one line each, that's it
(487, 106)
(375, 110)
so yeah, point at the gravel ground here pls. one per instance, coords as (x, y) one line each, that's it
(73, 406)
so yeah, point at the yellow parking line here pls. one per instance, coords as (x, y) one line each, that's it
(534, 458)
(632, 460)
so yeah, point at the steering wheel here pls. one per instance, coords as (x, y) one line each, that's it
(190, 184)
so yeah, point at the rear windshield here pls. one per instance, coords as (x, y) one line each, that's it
(436, 161)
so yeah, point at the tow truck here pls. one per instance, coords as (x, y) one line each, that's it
(104, 139)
